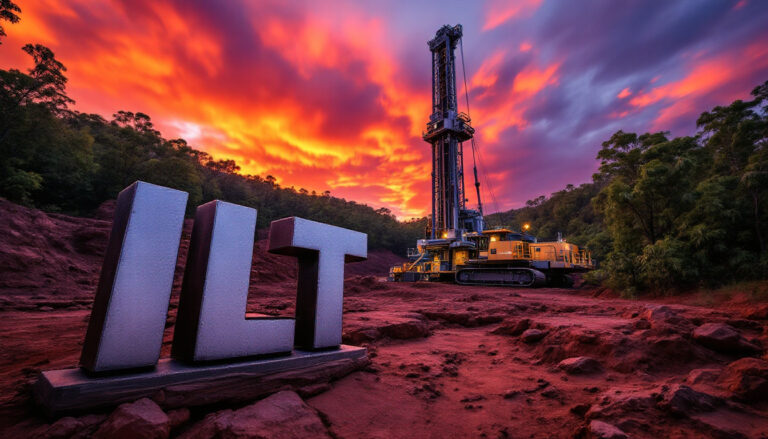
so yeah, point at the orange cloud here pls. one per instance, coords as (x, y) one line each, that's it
(531, 80)
(624, 93)
(525, 46)
(488, 73)
(704, 77)
(510, 110)
(501, 11)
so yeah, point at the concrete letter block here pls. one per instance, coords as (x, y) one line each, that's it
(211, 324)
(125, 330)
(322, 250)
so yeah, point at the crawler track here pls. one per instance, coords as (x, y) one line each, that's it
(513, 277)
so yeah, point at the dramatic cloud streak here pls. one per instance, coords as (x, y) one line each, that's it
(334, 97)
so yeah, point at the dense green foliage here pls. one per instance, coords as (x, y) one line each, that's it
(62, 160)
(664, 214)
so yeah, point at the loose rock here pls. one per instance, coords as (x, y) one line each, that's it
(283, 415)
(178, 417)
(698, 376)
(69, 427)
(722, 338)
(472, 398)
(142, 419)
(512, 327)
(580, 409)
(604, 430)
(681, 400)
(580, 366)
(532, 335)
(616, 402)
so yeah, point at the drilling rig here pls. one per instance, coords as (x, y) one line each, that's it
(458, 247)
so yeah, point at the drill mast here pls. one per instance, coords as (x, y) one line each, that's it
(457, 247)
(446, 131)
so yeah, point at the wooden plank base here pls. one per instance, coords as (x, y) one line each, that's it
(173, 384)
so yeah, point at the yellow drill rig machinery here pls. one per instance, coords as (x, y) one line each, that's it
(458, 247)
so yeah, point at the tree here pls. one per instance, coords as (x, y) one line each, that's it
(8, 12)
(177, 173)
(737, 137)
(44, 84)
(38, 153)
(139, 121)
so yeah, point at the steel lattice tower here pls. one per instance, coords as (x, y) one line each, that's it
(446, 130)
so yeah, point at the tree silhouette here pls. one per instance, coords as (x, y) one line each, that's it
(8, 12)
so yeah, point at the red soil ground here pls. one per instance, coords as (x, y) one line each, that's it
(447, 361)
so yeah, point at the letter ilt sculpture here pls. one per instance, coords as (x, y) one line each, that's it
(219, 354)
(126, 327)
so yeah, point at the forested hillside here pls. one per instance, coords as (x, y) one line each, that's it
(57, 159)
(668, 213)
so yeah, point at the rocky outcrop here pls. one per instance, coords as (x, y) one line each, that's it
(283, 415)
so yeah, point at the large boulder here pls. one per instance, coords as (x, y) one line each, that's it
(580, 366)
(142, 419)
(746, 379)
(283, 415)
(724, 338)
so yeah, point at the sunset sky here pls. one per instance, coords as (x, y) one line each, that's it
(334, 95)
